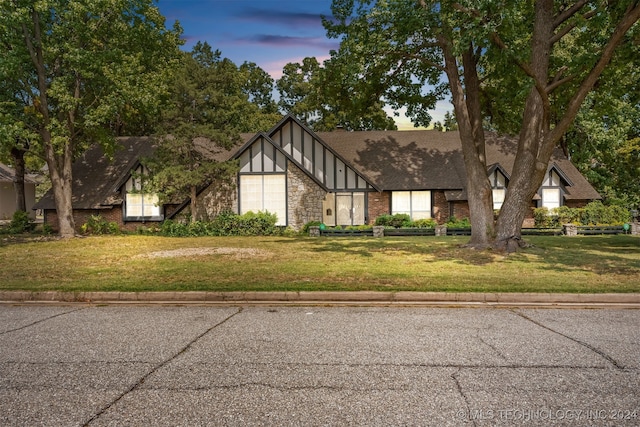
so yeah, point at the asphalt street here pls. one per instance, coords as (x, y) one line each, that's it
(67, 365)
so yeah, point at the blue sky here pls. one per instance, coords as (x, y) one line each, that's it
(270, 33)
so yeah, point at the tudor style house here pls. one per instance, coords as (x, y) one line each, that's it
(339, 178)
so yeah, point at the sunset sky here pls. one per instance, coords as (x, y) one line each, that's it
(270, 33)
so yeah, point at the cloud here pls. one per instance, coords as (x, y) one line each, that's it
(282, 17)
(274, 40)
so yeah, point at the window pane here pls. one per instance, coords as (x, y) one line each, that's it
(498, 198)
(401, 202)
(250, 193)
(151, 207)
(421, 200)
(134, 205)
(275, 197)
(358, 208)
(551, 198)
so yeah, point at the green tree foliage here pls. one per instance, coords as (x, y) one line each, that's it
(604, 143)
(314, 94)
(74, 66)
(521, 66)
(212, 101)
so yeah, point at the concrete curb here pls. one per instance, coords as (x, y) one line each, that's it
(631, 300)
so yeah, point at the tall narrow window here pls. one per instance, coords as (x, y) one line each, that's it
(499, 188)
(138, 204)
(551, 196)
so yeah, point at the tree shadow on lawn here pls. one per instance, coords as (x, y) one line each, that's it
(598, 254)
(432, 250)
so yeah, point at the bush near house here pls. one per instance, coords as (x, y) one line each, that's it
(595, 213)
(97, 225)
(458, 223)
(225, 224)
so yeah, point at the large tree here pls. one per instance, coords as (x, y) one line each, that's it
(75, 66)
(540, 59)
(314, 94)
(212, 101)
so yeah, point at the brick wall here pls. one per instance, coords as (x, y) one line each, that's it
(81, 216)
(460, 209)
(379, 204)
(440, 209)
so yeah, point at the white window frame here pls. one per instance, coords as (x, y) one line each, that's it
(139, 205)
(550, 193)
(498, 188)
(264, 193)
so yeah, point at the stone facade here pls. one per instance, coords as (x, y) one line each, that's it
(304, 198)
(218, 197)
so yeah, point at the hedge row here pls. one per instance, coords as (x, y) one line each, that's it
(595, 213)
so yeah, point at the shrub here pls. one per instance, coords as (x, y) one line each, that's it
(96, 224)
(172, 228)
(396, 220)
(305, 228)
(458, 223)
(20, 223)
(383, 220)
(425, 223)
(225, 224)
(541, 218)
(595, 213)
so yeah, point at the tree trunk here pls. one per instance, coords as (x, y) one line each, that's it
(194, 204)
(469, 118)
(18, 180)
(61, 184)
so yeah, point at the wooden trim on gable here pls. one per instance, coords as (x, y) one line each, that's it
(337, 174)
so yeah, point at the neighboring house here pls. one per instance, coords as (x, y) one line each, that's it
(339, 178)
(8, 193)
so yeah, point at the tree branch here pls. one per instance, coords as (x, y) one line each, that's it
(564, 31)
(631, 16)
(562, 17)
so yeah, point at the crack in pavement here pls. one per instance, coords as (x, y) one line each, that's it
(454, 377)
(43, 320)
(158, 367)
(599, 352)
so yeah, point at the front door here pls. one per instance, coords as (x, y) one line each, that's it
(350, 209)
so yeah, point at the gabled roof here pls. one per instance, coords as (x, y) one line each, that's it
(428, 159)
(388, 160)
(497, 167)
(96, 178)
(7, 174)
(402, 160)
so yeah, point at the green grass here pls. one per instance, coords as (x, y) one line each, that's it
(589, 264)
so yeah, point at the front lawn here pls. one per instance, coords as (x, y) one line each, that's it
(589, 264)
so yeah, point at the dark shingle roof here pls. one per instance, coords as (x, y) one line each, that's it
(390, 160)
(7, 174)
(427, 159)
(402, 160)
(96, 177)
